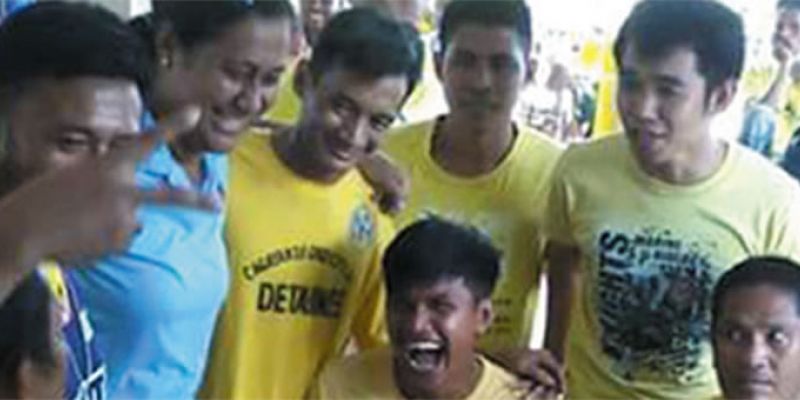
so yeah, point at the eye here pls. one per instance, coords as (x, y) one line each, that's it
(382, 122)
(778, 338)
(734, 335)
(442, 306)
(668, 91)
(343, 108)
(72, 142)
(271, 79)
(236, 73)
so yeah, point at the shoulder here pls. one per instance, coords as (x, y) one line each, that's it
(367, 374)
(405, 138)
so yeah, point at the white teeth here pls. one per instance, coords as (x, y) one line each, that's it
(425, 356)
(425, 346)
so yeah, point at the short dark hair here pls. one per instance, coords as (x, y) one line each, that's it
(513, 14)
(62, 40)
(25, 318)
(789, 4)
(195, 22)
(777, 272)
(365, 41)
(714, 32)
(433, 249)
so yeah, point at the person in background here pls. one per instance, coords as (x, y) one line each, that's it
(763, 117)
(756, 329)
(155, 304)
(641, 225)
(303, 238)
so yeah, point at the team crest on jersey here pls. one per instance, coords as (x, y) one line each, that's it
(362, 226)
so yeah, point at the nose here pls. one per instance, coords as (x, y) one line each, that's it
(420, 321)
(642, 104)
(757, 355)
(481, 77)
(251, 100)
(101, 148)
(356, 130)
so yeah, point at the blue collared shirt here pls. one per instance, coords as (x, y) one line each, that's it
(154, 307)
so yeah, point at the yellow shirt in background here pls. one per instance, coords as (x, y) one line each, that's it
(506, 204)
(606, 117)
(288, 105)
(305, 277)
(651, 253)
(369, 376)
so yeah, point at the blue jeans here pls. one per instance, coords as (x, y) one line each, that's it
(758, 129)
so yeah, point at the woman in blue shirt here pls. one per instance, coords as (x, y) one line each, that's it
(154, 306)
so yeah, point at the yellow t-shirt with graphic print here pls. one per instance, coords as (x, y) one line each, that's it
(506, 204)
(305, 277)
(651, 253)
(369, 376)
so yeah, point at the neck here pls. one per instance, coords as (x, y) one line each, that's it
(457, 386)
(690, 165)
(466, 148)
(189, 154)
(295, 153)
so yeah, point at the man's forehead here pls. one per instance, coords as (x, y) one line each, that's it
(504, 38)
(105, 104)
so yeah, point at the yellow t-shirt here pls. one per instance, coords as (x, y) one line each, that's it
(506, 204)
(305, 277)
(426, 101)
(651, 253)
(287, 106)
(369, 376)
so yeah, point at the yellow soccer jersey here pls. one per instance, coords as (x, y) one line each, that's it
(651, 253)
(369, 376)
(305, 277)
(506, 204)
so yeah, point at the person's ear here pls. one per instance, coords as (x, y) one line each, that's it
(485, 315)
(438, 63)
(167, 47)
(303, 81)
(721, 96)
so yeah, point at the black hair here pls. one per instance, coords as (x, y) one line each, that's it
(26, 330)
(365, 41)
(714, 32)
(63, 40)
(434, 249)
(777, 272)
(195, 22)
(789, 4)
(512, 14)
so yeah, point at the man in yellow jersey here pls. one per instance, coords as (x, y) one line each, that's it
(756, 330)
(304, 242)
(439, 281)
(643, 224)
(474, 165)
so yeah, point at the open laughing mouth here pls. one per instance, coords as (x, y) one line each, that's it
(425, 356)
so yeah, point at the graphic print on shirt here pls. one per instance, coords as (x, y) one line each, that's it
(326, 296)
(653, 301)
